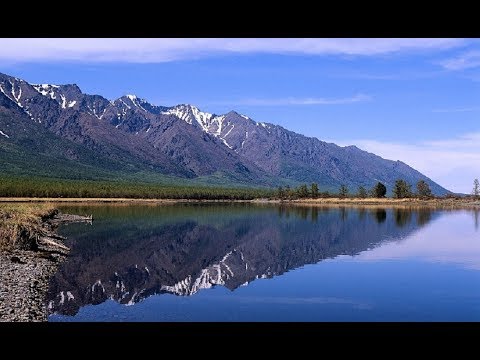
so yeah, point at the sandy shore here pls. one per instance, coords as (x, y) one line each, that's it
(411, 202)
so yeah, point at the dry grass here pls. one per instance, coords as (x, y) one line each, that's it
(21, 223)
(389, 202)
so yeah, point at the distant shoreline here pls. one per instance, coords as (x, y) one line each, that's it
(407, 202)
(449, 203)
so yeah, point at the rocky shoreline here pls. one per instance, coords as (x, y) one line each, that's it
(25, 274)
(24, 277)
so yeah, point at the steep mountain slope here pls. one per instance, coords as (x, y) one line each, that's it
(183, 141)
(28, 148)
(284, 154)
(113, 129)
(48, 105)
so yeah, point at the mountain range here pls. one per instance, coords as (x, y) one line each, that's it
(57, 131)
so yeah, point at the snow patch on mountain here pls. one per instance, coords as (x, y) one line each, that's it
(98, 283)
(210, 123)
(245, 139)
(229, 131)
(215, 274)
(124, 103)
(132, 300)
(219, 123)
(46, 89)
(191, 115)
(64, 101)
(16, 98)
(135, 101)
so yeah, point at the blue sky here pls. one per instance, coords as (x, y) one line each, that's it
(415, 100)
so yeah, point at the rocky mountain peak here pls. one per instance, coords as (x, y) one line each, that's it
(191, 114)
(187, 141)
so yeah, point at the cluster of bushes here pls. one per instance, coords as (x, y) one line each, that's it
(401, 190)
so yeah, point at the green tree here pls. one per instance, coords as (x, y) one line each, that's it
(401, 189)
(302, 191)
(362, 192)
(343, 191)
(280, 193)
(379, 190)
(476, 188)
(423, 189)
(288, 192)
(314, 190)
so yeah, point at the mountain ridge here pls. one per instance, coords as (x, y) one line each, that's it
(185, 142)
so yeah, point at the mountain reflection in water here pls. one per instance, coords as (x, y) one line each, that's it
(132, 252)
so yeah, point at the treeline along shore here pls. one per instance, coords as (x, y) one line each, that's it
(59, 189)
(24, 190)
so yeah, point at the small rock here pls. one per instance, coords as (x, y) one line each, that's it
(17, 260)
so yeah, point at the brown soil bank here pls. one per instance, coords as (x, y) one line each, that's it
(413, 202)
(30, 253)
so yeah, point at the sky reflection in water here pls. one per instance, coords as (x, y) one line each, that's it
(266, 263)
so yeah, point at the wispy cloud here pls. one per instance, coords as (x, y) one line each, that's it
(164, 50)
(453, 163)
(467, 60)
(299, 101)
(470, 141)
(453, 110)
(410, 75)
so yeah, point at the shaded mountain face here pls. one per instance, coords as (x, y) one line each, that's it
(28, 148)
(131, 253)
(288, 155)
(68, 114)
(186, 142)
(128, 130)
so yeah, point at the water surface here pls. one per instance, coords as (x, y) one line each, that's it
(244, 262)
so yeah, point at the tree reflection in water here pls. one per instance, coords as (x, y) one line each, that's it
(133, 252)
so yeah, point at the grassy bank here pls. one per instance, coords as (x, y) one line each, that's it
(20, 224)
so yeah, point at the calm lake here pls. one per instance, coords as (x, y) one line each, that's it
(245, 262)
